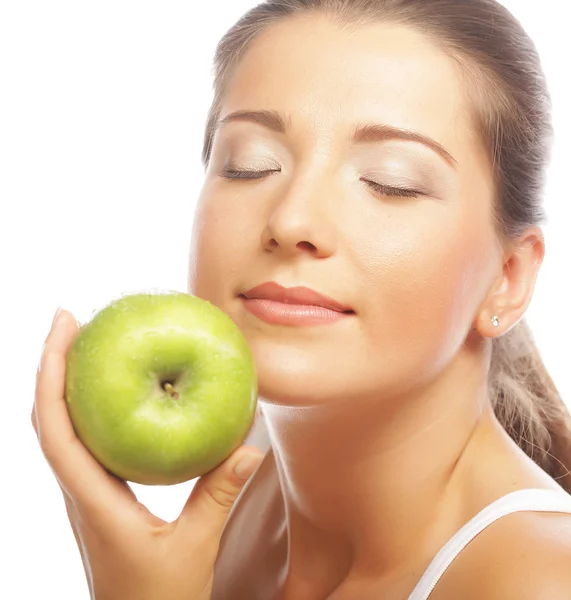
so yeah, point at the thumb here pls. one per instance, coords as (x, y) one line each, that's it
(214, 494)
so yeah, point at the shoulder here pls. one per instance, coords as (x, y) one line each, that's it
(545, 573)
(525, 555)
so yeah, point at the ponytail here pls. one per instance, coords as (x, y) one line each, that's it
(528, 405)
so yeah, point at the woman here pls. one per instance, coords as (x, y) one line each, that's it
(389, 155)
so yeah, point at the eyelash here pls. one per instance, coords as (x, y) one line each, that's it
(386, 190)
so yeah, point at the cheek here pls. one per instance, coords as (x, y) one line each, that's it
(218, 252)
(424, 290)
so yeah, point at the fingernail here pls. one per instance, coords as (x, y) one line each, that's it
(247, 465)
(58, 311)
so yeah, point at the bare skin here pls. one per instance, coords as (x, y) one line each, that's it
(383, 439)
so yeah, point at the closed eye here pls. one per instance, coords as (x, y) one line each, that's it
(232, 174)
(388, 190)
(385, 190)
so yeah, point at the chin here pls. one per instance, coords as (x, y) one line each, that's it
(295, 378)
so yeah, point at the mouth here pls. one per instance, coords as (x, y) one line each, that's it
(276, 304)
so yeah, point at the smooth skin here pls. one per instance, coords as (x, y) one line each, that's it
(383, 438)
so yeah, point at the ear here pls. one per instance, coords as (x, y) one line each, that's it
(511, 294)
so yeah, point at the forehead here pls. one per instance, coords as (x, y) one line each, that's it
(330, 78)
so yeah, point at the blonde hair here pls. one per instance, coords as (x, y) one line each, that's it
(511, 109)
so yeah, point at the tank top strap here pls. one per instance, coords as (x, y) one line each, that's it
(531, 499)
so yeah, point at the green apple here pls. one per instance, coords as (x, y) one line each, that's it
(160, 387)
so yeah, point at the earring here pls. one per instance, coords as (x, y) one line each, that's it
(495, 321)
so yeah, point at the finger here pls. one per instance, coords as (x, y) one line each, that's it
(79, 474)
(212, 497)
(52, 342)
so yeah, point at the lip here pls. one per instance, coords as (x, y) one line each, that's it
(274, 303)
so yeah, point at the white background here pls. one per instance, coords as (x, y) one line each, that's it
(102, 113)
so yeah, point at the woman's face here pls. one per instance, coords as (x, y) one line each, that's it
(415, 270)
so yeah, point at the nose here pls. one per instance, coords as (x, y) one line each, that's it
(302, 221)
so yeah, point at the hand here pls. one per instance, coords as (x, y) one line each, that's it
(128, 553)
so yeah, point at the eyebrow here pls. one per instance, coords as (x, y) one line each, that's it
(368, 133)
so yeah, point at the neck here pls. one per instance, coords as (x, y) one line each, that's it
(364, 489)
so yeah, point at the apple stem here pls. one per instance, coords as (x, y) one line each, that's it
(169, 388)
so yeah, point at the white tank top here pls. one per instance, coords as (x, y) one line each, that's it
(542, 500)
